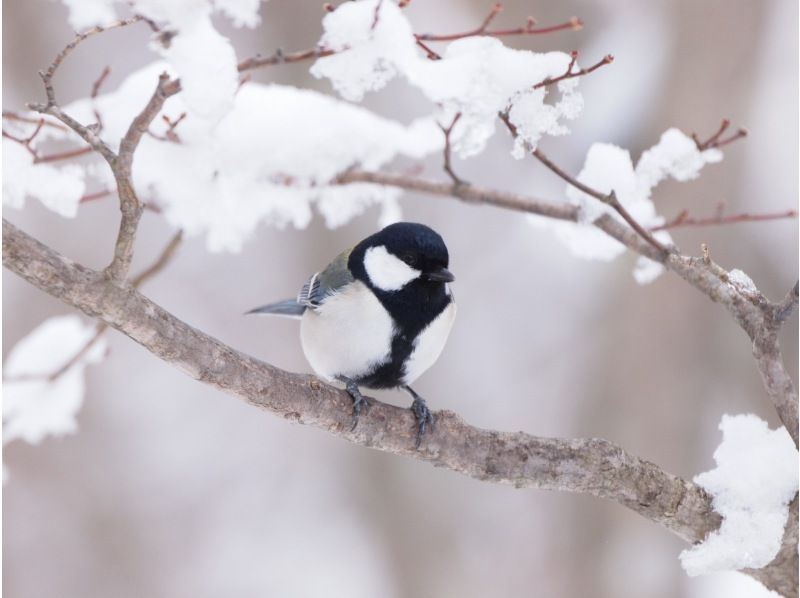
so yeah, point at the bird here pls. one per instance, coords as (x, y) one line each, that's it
(378, 316)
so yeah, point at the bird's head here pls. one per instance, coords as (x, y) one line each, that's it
(399, 255)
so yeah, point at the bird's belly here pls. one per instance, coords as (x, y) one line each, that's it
(349, 335)
(429, 344)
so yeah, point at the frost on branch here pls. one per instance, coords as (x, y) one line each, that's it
(609, 168)
(755, 479)
(34, 405)
(477, 76)
(268, 160)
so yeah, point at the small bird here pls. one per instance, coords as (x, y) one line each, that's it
(378, 315)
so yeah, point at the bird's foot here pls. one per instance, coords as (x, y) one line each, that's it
(424, 417)
(359, 402)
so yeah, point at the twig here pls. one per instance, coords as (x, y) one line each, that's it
(33, 121)
(39, 159)
(169, 134)
(95, 91)
(574, 24)
(376, 15)
(66, 155)
(130, 206)
(430, 54)
(569, 74)
(684, 219)
(96, 195)
(715, 140)
(447, 150)
(161, 261)
(279, 57)
(47, 76)
(99, 82)
(788, 304)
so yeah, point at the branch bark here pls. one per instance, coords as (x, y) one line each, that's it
(591, 466)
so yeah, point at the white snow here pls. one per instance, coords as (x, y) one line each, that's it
(33, 406)
(728, 584)
(59, 188)
(610, 168)
(742, 282)
(268, 160)
(477, 76)
(84, 14)
(755, 479)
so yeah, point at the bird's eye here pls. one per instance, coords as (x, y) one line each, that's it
(408, 258)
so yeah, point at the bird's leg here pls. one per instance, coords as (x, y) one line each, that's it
(358, 399)
(421, 412)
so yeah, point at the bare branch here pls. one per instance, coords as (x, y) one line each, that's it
(571, 74)
(279, 57)
(47, 75)
(786, 307)
(684, 219)
(714, 141)
(448, 168)
(590, 466)
(574, 24)
(163, 259)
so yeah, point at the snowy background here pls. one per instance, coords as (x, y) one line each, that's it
(170, 488)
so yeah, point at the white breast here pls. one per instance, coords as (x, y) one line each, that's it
(348, 335)
(429, 344)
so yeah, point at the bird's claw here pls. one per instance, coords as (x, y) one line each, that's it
(359, 403)
(424, 418)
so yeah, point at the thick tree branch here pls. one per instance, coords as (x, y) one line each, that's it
(590, 466)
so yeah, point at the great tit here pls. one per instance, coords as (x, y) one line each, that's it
(378, 315)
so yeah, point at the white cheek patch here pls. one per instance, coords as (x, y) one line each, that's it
(386, 271)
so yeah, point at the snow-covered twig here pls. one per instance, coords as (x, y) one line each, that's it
(281, 57)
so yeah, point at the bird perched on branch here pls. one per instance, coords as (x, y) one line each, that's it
(378, 315)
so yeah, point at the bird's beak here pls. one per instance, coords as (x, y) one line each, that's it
(440, 275)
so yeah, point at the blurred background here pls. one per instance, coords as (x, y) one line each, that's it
(171, 488)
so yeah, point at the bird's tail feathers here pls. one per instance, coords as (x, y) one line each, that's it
(288, 308)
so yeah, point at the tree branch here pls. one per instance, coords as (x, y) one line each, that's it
(758, 317)
(684, 219)
(590, 466)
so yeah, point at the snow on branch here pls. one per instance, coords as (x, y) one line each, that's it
(755, 479)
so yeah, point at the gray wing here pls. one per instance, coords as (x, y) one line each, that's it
(314, 292)
(326, 283)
